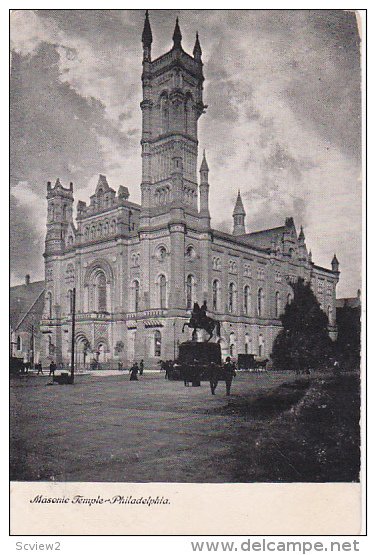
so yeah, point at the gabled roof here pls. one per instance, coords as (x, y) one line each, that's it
(21, 300)
(264, 238)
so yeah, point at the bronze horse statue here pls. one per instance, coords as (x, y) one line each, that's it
(199, 320)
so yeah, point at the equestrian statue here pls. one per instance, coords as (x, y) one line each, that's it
(199, 320)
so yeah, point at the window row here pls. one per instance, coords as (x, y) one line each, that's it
(100, 229)
(232, 300)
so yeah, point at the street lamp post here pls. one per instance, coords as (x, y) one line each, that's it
(32, 347)
(73, 332)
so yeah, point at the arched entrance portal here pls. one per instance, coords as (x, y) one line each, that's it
(83, 351)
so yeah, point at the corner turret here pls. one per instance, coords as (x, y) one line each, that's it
(239, 217)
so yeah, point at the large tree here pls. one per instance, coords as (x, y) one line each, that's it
(304, 340)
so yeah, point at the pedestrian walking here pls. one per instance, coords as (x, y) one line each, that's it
(213, 377)
(38, 366)
(230, 373)
(141, 367)
(52, 368)
(134, 371)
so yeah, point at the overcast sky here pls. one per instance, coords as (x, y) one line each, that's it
(282, 124)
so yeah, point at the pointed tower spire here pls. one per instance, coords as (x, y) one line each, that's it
(239, 208)
(176, 37)
(335, 264)
(301, 234)
(197, 52)
(204, 192)
(239, 216)
(147, 38)
(204, 165)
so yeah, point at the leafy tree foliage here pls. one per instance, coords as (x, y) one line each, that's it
(304, 341)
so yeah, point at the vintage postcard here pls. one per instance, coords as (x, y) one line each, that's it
(186, 272)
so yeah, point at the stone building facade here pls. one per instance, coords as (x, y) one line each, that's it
(137, 269)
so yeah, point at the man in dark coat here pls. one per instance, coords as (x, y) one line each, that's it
(134, 372)
(213, 377)
(229, 371)
(141, 367)
(52, 368)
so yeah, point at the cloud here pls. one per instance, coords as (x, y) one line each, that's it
(283, 122)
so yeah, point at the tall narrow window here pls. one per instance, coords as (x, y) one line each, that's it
(231, 298)
(190, 283)
(157, 343)
(49, 304)
(102, 292)
(215, 295)
(70, 301)
(162, 291)
(247, 344)
(246, 300)
(277, 304)
(136, 295)
(261, 345)
(330, 315)
(19, 343)
(260, 302)
(289, 298)
(232, 344)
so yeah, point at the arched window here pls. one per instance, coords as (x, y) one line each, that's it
(215, 295)
(64, 211)
(260, 302)
(19, 343)
(277, 304)
(49, 304)
(231, 298)
(102, 292)
(136, 295)
(190, 286)
(289, 298)
(247, 296)
(162, 291)
(157, 343)
(161, 253)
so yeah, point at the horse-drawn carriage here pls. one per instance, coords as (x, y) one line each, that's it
(252, 363)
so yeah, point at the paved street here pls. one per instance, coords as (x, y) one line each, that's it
(111, 429)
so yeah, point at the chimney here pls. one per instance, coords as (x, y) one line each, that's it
(27, 279)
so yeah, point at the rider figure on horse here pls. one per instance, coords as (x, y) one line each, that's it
(200, 320)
